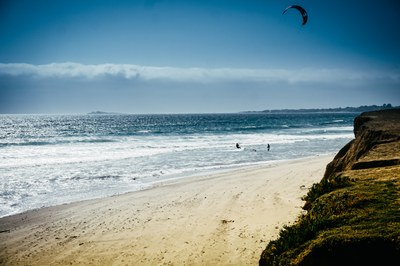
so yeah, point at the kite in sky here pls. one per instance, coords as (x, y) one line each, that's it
(301, 10)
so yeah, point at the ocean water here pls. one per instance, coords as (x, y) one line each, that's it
(54, 159)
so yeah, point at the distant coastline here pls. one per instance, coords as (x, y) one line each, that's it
(360, 109)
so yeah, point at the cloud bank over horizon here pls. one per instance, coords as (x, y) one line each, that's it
(73, 70)
(129, 88)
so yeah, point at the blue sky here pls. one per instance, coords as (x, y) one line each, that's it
(183, 56)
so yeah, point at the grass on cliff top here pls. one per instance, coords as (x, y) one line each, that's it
(346, 218)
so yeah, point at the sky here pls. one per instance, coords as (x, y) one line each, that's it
(196, 56)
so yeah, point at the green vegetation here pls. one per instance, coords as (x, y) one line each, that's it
(344, 218)
(325, 186)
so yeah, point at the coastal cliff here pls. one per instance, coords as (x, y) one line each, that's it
(352, 217)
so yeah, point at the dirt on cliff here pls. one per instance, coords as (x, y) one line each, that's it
(353, 215)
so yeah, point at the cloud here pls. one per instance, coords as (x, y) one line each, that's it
(199, 75)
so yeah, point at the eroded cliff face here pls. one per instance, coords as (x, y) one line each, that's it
(376, 143)
(353, 215)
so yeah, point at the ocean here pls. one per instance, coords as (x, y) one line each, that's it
(49, 160)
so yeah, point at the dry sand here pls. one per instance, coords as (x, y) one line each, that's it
(220, 219)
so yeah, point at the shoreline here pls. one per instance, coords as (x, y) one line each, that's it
(218, 218)
(179, 178)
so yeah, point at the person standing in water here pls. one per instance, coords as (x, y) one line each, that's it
(268, 147)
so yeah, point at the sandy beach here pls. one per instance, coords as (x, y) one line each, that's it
(218, 219)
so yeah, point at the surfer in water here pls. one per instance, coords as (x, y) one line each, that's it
(238, 146)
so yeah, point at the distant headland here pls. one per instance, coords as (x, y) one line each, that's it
(360, 109)
(102, 113)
